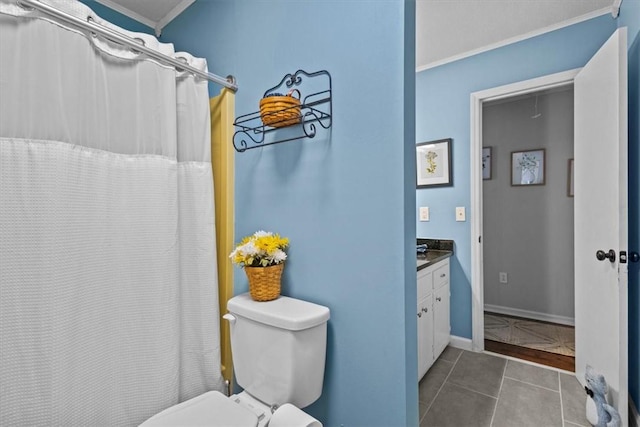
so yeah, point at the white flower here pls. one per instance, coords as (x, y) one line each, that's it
(278, 256)
(244, 250)
(249, 249)
(262, 233)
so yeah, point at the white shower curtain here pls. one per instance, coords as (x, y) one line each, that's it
(108, 289)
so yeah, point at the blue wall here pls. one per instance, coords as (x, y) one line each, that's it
(341, 198)
(442, 110)
(630, 18)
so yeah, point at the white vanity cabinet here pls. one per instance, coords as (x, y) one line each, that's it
(432, 314)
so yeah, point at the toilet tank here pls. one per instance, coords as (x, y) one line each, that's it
(278, 348)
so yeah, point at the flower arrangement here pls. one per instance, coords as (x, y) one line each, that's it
(261, 249)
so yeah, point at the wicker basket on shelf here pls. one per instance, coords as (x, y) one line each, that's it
(264, 282)
(280, 110)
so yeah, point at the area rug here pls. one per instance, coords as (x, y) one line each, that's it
(551, 337)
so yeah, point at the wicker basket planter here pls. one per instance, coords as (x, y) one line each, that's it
(264, 282)
(280, 111)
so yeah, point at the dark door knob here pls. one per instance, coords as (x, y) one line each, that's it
(602, 255)
(634, 257)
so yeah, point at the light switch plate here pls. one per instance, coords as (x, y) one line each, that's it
(424, 213)
(460, 214)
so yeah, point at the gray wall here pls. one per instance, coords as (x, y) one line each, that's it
(528, 230)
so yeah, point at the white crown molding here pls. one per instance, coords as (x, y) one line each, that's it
(531, 34)
(127, 12)
(615, 8)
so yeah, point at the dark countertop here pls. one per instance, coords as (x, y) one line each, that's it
(437, 251)
(431, 257)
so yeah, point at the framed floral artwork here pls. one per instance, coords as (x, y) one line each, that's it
(486, 162)
(433, 161)
(527, 167)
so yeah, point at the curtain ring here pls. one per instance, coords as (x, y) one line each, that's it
(141, 41)
(184, 61)
(91, 21)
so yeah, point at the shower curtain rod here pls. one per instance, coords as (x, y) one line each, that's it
(229, 82)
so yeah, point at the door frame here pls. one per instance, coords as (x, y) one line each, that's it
(564, 78)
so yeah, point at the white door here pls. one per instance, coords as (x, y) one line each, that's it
(600, 204)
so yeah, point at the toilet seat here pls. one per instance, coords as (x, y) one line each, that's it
(212, 409)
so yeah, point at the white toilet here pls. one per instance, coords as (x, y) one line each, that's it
(278, 350)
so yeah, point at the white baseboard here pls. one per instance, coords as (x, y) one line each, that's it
(545, 317)
(634, 417)
(460, 342)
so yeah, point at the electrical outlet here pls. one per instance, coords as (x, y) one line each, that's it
(460, 214)
(424, 213)
(503, 277)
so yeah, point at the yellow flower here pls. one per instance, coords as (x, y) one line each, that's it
(260, 249)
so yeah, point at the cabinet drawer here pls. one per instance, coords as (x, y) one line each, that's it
(441, 275)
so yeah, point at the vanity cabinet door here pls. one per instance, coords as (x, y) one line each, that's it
(425, 334)
(441, 314)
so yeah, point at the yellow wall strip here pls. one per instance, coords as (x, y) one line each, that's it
(222, 160)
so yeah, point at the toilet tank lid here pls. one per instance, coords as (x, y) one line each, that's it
(283, 312)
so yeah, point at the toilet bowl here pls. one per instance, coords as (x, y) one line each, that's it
(278, 349)
(204, 410)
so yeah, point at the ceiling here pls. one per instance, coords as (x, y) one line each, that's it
(446, 30)
(152, 13)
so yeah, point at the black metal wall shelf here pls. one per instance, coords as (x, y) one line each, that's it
(314, 108)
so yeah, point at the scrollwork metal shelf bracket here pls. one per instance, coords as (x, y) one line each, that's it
(315, 108)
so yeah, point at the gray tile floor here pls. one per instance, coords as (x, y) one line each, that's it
(466, 389)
